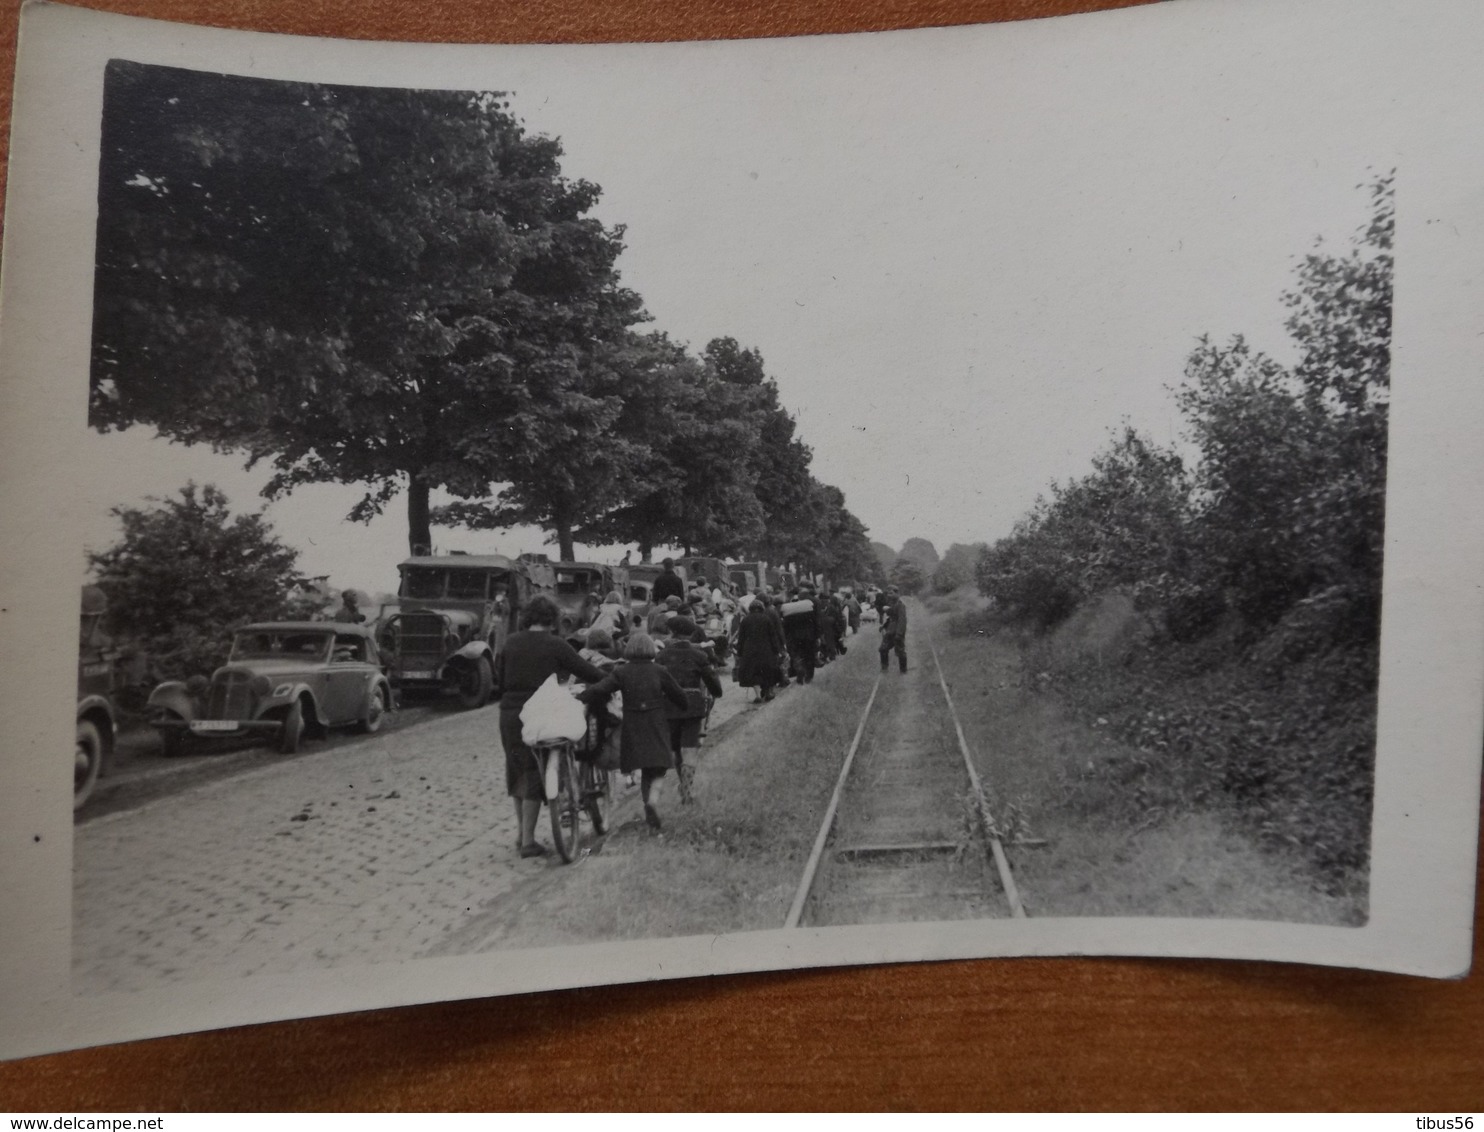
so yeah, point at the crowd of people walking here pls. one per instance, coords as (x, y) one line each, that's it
(660, 671)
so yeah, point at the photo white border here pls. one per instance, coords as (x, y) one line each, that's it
(1432, 704)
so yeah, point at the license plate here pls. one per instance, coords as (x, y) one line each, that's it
(213, 725)
(418, 675)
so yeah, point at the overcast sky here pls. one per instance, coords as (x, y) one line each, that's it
(964, 258)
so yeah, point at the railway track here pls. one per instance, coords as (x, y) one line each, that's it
(908, 834)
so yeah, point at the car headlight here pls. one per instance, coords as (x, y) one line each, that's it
(261, 686)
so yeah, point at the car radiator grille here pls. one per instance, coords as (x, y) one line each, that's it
(231, 697)
(420, 639)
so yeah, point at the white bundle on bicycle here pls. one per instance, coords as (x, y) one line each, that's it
(552, 713)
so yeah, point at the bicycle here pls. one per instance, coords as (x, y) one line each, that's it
(574, 791)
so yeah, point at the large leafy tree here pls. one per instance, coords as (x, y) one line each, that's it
(923, 552)
(779, 463)
(187, 571)
(957, 566)
(385, 287)
(886, 558)
(907, 575)
(845, 552)
(699, 431)
(587, 450)
(1292, 478)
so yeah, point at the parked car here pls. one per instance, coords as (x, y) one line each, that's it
(96, 717)
(284, 679)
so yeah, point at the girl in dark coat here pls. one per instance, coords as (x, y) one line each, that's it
(690, 664)
(644, 742)
(759, 641)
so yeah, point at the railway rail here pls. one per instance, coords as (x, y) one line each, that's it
(908, 834)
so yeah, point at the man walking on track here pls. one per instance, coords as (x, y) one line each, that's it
(893, 630)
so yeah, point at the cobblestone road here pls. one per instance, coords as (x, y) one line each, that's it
(371, 852)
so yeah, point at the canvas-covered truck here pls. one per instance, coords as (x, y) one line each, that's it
(453, 612)
(97, 719)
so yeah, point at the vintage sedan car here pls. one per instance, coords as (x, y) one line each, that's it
(286, 679)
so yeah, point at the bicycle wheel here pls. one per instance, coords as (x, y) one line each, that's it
(566, 807)
(597, 795)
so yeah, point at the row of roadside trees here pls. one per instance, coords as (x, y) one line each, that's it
(400, 289)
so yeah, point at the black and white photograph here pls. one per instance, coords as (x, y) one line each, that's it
(553, 516)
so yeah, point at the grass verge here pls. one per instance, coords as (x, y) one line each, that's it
(1109, 849)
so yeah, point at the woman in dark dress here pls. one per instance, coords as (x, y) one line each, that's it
(648, 689)
(759, 641)
(691, 666)
(521, 666)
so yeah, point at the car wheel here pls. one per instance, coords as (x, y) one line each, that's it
(293, 729)
(376, 709)
(476, 683)
(88, 764)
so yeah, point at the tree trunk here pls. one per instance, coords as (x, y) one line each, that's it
(645, 549)
(564, 540)
(419, 531)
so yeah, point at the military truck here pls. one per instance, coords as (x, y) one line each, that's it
(747, 576)
(453, 612)
(713, 570)
(97, 719)
(641, 587)
(579, 588)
